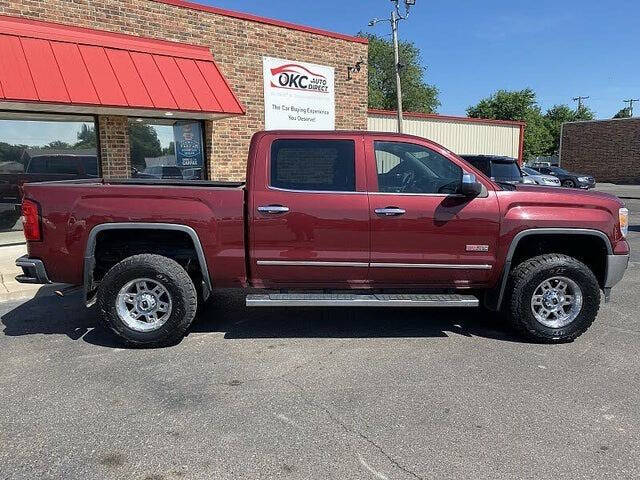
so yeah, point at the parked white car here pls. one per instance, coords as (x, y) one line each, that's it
(539, 178)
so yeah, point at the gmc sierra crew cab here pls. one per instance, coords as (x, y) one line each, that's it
(329, 219)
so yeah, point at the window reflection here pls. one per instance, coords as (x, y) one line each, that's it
(39, 148)
(166, 149)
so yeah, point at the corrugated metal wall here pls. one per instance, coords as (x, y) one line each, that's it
(459, 136)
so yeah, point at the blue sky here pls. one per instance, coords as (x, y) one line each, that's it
(471, 48)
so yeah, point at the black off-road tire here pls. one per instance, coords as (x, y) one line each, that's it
(175, 280)
(523, 282)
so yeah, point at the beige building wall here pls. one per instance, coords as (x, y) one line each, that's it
(458, 135)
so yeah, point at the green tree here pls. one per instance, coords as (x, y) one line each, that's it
(417, 95)
(506, 105)
(11, 153)
(144, 144)
(556, 116)
(520, 105)
(86, 138)
(58, 145)
(542, 133)
(624, 113)
(170, 150)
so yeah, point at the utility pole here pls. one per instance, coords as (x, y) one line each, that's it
(631, 101)
(396, 16)
(579, 100)
(396, 53)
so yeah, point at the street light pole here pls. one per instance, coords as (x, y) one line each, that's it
(396, 52)
(396, 16)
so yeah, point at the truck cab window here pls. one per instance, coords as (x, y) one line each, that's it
(410, 168)
(313, 165)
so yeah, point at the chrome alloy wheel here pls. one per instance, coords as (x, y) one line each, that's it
(556, 302)
(144, 305)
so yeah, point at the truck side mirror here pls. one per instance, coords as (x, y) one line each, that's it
(470, 186)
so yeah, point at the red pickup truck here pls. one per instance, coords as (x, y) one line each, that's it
(329, 219)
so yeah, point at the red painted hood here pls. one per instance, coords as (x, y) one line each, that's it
(529, 207)
(571, 195)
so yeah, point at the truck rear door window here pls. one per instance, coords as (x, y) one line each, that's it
(314, 165)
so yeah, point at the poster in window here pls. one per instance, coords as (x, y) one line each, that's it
(188, 141)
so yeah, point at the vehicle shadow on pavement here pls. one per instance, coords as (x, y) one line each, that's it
(227, 314)
(48, 314)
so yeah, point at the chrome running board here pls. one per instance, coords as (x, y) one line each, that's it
(360, 300)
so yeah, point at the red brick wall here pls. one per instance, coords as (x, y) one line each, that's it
(238, 46)
(609, 150)
(114, 146)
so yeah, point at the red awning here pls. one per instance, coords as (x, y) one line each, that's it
(46, 66)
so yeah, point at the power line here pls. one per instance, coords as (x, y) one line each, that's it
(579, 100)
(631, 101)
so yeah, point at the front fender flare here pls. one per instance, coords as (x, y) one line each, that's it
(494, 298)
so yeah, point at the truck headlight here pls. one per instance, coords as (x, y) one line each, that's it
(623, 216)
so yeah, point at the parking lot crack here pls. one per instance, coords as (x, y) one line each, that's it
(352, 431)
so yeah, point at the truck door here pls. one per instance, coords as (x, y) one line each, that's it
(423, 232)
(309, 212)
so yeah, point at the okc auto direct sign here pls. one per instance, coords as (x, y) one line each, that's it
(298, 95)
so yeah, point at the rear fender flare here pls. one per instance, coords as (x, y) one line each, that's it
(89, 256)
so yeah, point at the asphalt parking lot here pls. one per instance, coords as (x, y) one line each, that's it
(320, 394)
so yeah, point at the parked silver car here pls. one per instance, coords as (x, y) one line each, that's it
(539, 178)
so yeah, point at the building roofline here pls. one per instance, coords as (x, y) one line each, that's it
(61, 32)
(603, 120)
(264, 20)
(435, 116)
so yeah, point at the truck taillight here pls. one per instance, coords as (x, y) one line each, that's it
(31, 221)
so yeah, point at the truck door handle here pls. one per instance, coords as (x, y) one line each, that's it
(273, 209)
(390, 211)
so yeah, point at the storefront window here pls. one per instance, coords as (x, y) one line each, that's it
(38, 148)
(166, 149)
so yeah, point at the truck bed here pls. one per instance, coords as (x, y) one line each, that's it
(71, 209)
(146, 181)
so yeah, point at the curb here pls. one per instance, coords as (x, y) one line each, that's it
(19, 295)
(10, 289)
(14, 291)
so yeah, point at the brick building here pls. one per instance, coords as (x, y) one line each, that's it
(51, 39)
(607, 149)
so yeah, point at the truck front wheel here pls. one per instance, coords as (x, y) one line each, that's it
(554, 298)
(147, 300)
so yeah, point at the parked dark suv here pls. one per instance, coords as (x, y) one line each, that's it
(498, 168)
(568, 179)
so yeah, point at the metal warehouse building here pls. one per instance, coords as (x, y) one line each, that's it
(461, 135)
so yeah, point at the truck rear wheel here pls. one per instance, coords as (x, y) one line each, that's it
(148, 300)
(554, 298)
